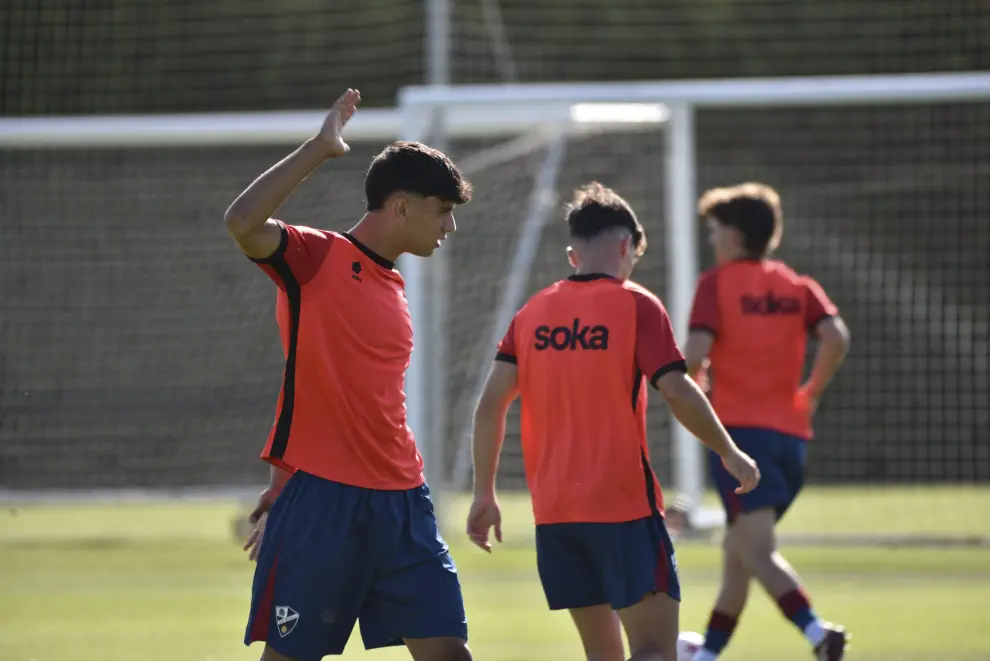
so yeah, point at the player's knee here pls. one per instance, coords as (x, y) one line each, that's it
(756, 557)
(730, 544)
(735, 577)
(651, 637)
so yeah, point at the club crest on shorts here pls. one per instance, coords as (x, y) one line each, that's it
(286, 619)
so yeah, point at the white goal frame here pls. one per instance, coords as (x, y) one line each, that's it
(491, 111)
(423, 107)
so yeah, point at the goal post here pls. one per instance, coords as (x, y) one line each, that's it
(879, 96)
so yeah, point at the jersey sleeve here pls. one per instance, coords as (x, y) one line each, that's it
(704, 309)
(657, 352)
(817, 305)
(507, 347)
(299, 256)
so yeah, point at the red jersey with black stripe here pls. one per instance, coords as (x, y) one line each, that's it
(347, 336)
(585, 348)
(760, 313)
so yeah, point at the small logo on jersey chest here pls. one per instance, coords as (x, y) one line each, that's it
(770, 304)
(356, 271)
(573, 337)
(286, 619)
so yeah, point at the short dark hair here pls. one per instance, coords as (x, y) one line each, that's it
(596, 209)
(753, 209)
(414, 168)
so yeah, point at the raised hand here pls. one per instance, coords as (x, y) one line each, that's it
(330, 133)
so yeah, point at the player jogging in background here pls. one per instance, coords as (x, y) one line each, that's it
(750, 320)
(347, 530)
(580, 354)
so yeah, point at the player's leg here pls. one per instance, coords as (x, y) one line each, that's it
(571, 581)
(600, 631)
(651, 627)
(415, 600)
(734, 590)
(639, 573)
(753, 538)
(729, 605)
(310, 578)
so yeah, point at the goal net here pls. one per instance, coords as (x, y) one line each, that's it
(881, 181)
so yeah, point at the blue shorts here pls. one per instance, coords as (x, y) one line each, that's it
(781, 459)
(334, 554)
(588, 564)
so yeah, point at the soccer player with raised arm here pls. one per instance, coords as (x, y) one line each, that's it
(347, 529)
(749, 326)
(580, 354)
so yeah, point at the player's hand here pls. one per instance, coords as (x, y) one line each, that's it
(258, 519)
(253, 544)
(333, 125)
(808, 400)
(742, 467)
(484, 515)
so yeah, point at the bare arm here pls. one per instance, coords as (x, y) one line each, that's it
(833, 345)
(248, 219)
(696, 350)
(279, 477)
(489, 426)
(692, 409)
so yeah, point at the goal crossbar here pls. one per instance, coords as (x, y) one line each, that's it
(730, 93)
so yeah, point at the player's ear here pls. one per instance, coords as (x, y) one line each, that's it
(572, 257)
(400, 206)
(626, 246)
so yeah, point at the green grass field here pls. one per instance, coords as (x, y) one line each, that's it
(169, 582)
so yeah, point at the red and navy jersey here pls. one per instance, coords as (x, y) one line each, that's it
(347, 337)
(760, 313)
(585, 348)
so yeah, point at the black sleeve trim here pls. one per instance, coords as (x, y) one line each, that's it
(676, 366)
(813, 327)
(278, 256)
(506, 358)
(703, 329)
